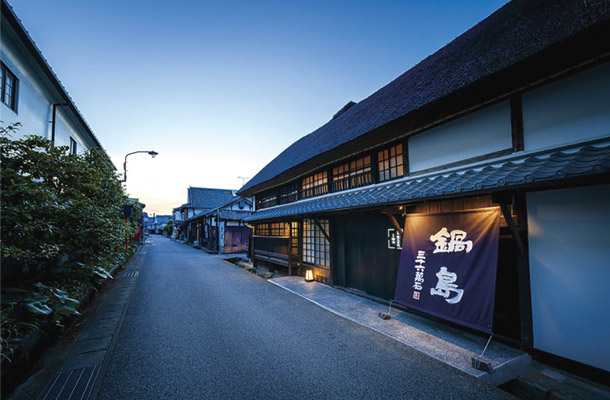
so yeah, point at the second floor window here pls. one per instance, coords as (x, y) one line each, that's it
(353, 174)
(9, 88)
(315, 185)
(266, 199)
(391, 163)
(73, 146)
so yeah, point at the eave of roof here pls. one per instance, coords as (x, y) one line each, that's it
(512, 173)
(521, 43)
(15, 22)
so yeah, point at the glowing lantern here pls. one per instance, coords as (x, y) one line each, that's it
(309, 275)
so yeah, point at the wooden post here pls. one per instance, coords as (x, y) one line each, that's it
(290, 249)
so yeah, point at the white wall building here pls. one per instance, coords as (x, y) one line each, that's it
(32, 95)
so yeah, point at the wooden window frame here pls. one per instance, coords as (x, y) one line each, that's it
(73, 146)
(354, 173)
(314, 185)
(316, 246)
(385, 174)
(6, 72)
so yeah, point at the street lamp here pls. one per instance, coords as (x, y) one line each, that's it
(152, 153)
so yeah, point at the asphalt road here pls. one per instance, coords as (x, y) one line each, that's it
(198, 327)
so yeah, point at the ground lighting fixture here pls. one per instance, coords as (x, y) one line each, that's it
(309, 275)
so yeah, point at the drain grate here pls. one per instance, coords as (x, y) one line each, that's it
(71, 385)
(131, 274)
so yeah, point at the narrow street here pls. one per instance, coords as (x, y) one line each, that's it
(198, 327)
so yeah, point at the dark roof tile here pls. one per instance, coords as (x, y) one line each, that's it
(208, 198)
(511, 173)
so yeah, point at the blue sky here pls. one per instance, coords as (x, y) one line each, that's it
(220, 88)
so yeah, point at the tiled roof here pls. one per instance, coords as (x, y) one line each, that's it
(208, 198)
(493, 176)
(511, 35)
(234, 215)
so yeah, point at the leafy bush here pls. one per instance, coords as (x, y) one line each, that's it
(62, 230)
(56, 205)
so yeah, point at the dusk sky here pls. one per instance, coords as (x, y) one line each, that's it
(221, 88)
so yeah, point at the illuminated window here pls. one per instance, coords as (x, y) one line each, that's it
(9, 88)
(360, 172)
(341, 177)
(279, 229)
(353, 174)
(391, 163)
(294, 245)
(316, 248)
(315, 185)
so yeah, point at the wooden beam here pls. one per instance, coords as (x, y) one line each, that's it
(513, 229)
(322, 229)
(395, 223)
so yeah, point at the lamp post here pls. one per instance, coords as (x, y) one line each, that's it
(151, 152)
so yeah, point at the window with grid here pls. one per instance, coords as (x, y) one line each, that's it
(341, 177)
(9, 88)
(289, 193)
(280, 229)
(294, 241)
(390, 163)
(353, 174)
(315, 185)
(265, 200)
(360, 172)
(316, 248)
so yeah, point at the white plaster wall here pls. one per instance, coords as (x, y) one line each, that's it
(482, 132)
(569, 252)
(574, 109)
(35, 98)
(65, 129)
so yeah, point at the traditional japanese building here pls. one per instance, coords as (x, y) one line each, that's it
(511, 117)
(222, 229)
(199, 201)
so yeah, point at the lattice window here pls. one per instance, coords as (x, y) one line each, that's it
(266, 199)
(315, 185)
(280, 229)
(289, 193)
(391, 163)
(316, 248)
(360, 172)
(294, 241)
(353, 174)
(341, 177)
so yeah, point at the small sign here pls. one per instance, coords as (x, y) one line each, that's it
(394, 240)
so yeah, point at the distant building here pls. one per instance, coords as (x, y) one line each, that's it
(513, 116)
(222, 229)
(31, 93)
(199, 201)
